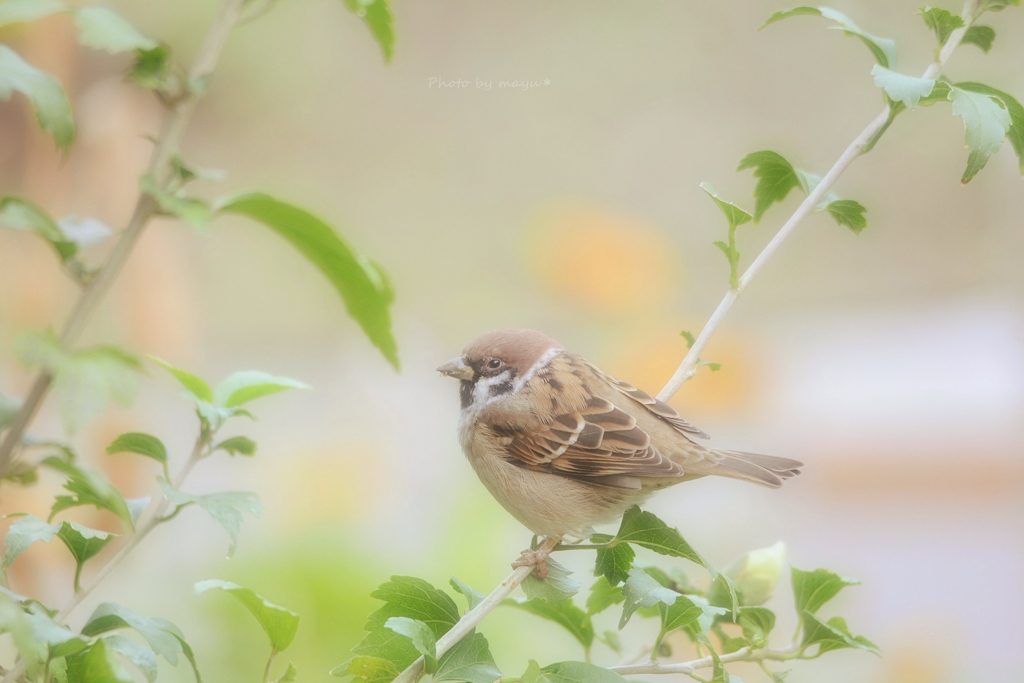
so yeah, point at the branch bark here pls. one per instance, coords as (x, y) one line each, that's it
(145, 207)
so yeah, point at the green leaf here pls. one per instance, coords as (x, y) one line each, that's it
(377, 16)
(883, 49)
(941, 21)
(603, 595)
(473, 597)
(996, 5)
(142, 657)
(195, 212)
(50, 102)
(813, 589)
(566, 614)
(58, 639)
(22, 214)
(420, 634)
(83, 543)
(647, 531)
(140, 443)
(153, 70)
(556, 587)
(164, 637)
(849, 213)
(641, 590)
(366, 300)
(405, 596)
(469, 660)
(289, 675)
(13, 11)
(986, 123)
(776, 177)
(757, 623)
(101, 29)
(900, 87)
(718, 672)
(1013, 108)
(226, 508)
(570, 672)
(982, 36)
(614, 561)
(194, 384)
(279, 623)
(940, 93)
(89, 488)
(96, 665)
(734, 214)
(367, 670)
(687, 610)
(85, 381)
(832, 635)
(187, 650)
(249, 385)
(237, 445)
(23, 533)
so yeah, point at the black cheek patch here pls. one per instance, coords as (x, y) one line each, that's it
(466, 392)
(502, 388)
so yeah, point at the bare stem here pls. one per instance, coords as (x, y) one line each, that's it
(160, 168)
(861, 144)
(270, 662)
(745, 654)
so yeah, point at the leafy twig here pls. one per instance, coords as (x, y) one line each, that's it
(166, 148)
(473, 617)
(145, 208)
(859, 146)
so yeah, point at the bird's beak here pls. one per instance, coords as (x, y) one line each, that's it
(457, 369)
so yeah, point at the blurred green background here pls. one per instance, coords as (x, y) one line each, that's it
(889, 362)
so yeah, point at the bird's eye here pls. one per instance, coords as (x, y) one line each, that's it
(494, 364)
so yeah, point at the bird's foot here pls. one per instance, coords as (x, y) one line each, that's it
(536, 559)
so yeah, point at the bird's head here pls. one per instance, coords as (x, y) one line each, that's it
(498, 364)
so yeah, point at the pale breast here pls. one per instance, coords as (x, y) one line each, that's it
(547, 504)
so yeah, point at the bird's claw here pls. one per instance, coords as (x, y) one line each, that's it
(538, 559)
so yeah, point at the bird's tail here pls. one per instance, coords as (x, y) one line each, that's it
(767, 470)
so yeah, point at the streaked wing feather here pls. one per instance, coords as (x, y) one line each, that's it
(655, 406)
(603, 442)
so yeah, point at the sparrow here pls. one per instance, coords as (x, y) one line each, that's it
(564, 447)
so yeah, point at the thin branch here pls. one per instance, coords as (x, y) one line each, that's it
(745, 654)
(859, 146)
(145, 207)
(474, 616)
(174, 127)
(153, 519)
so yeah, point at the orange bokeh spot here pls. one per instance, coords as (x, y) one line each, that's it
(649, 363)
(601, 261)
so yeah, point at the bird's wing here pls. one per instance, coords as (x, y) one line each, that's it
(658, 408)
(600, 440)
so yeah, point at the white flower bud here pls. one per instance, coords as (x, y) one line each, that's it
(756, 573)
